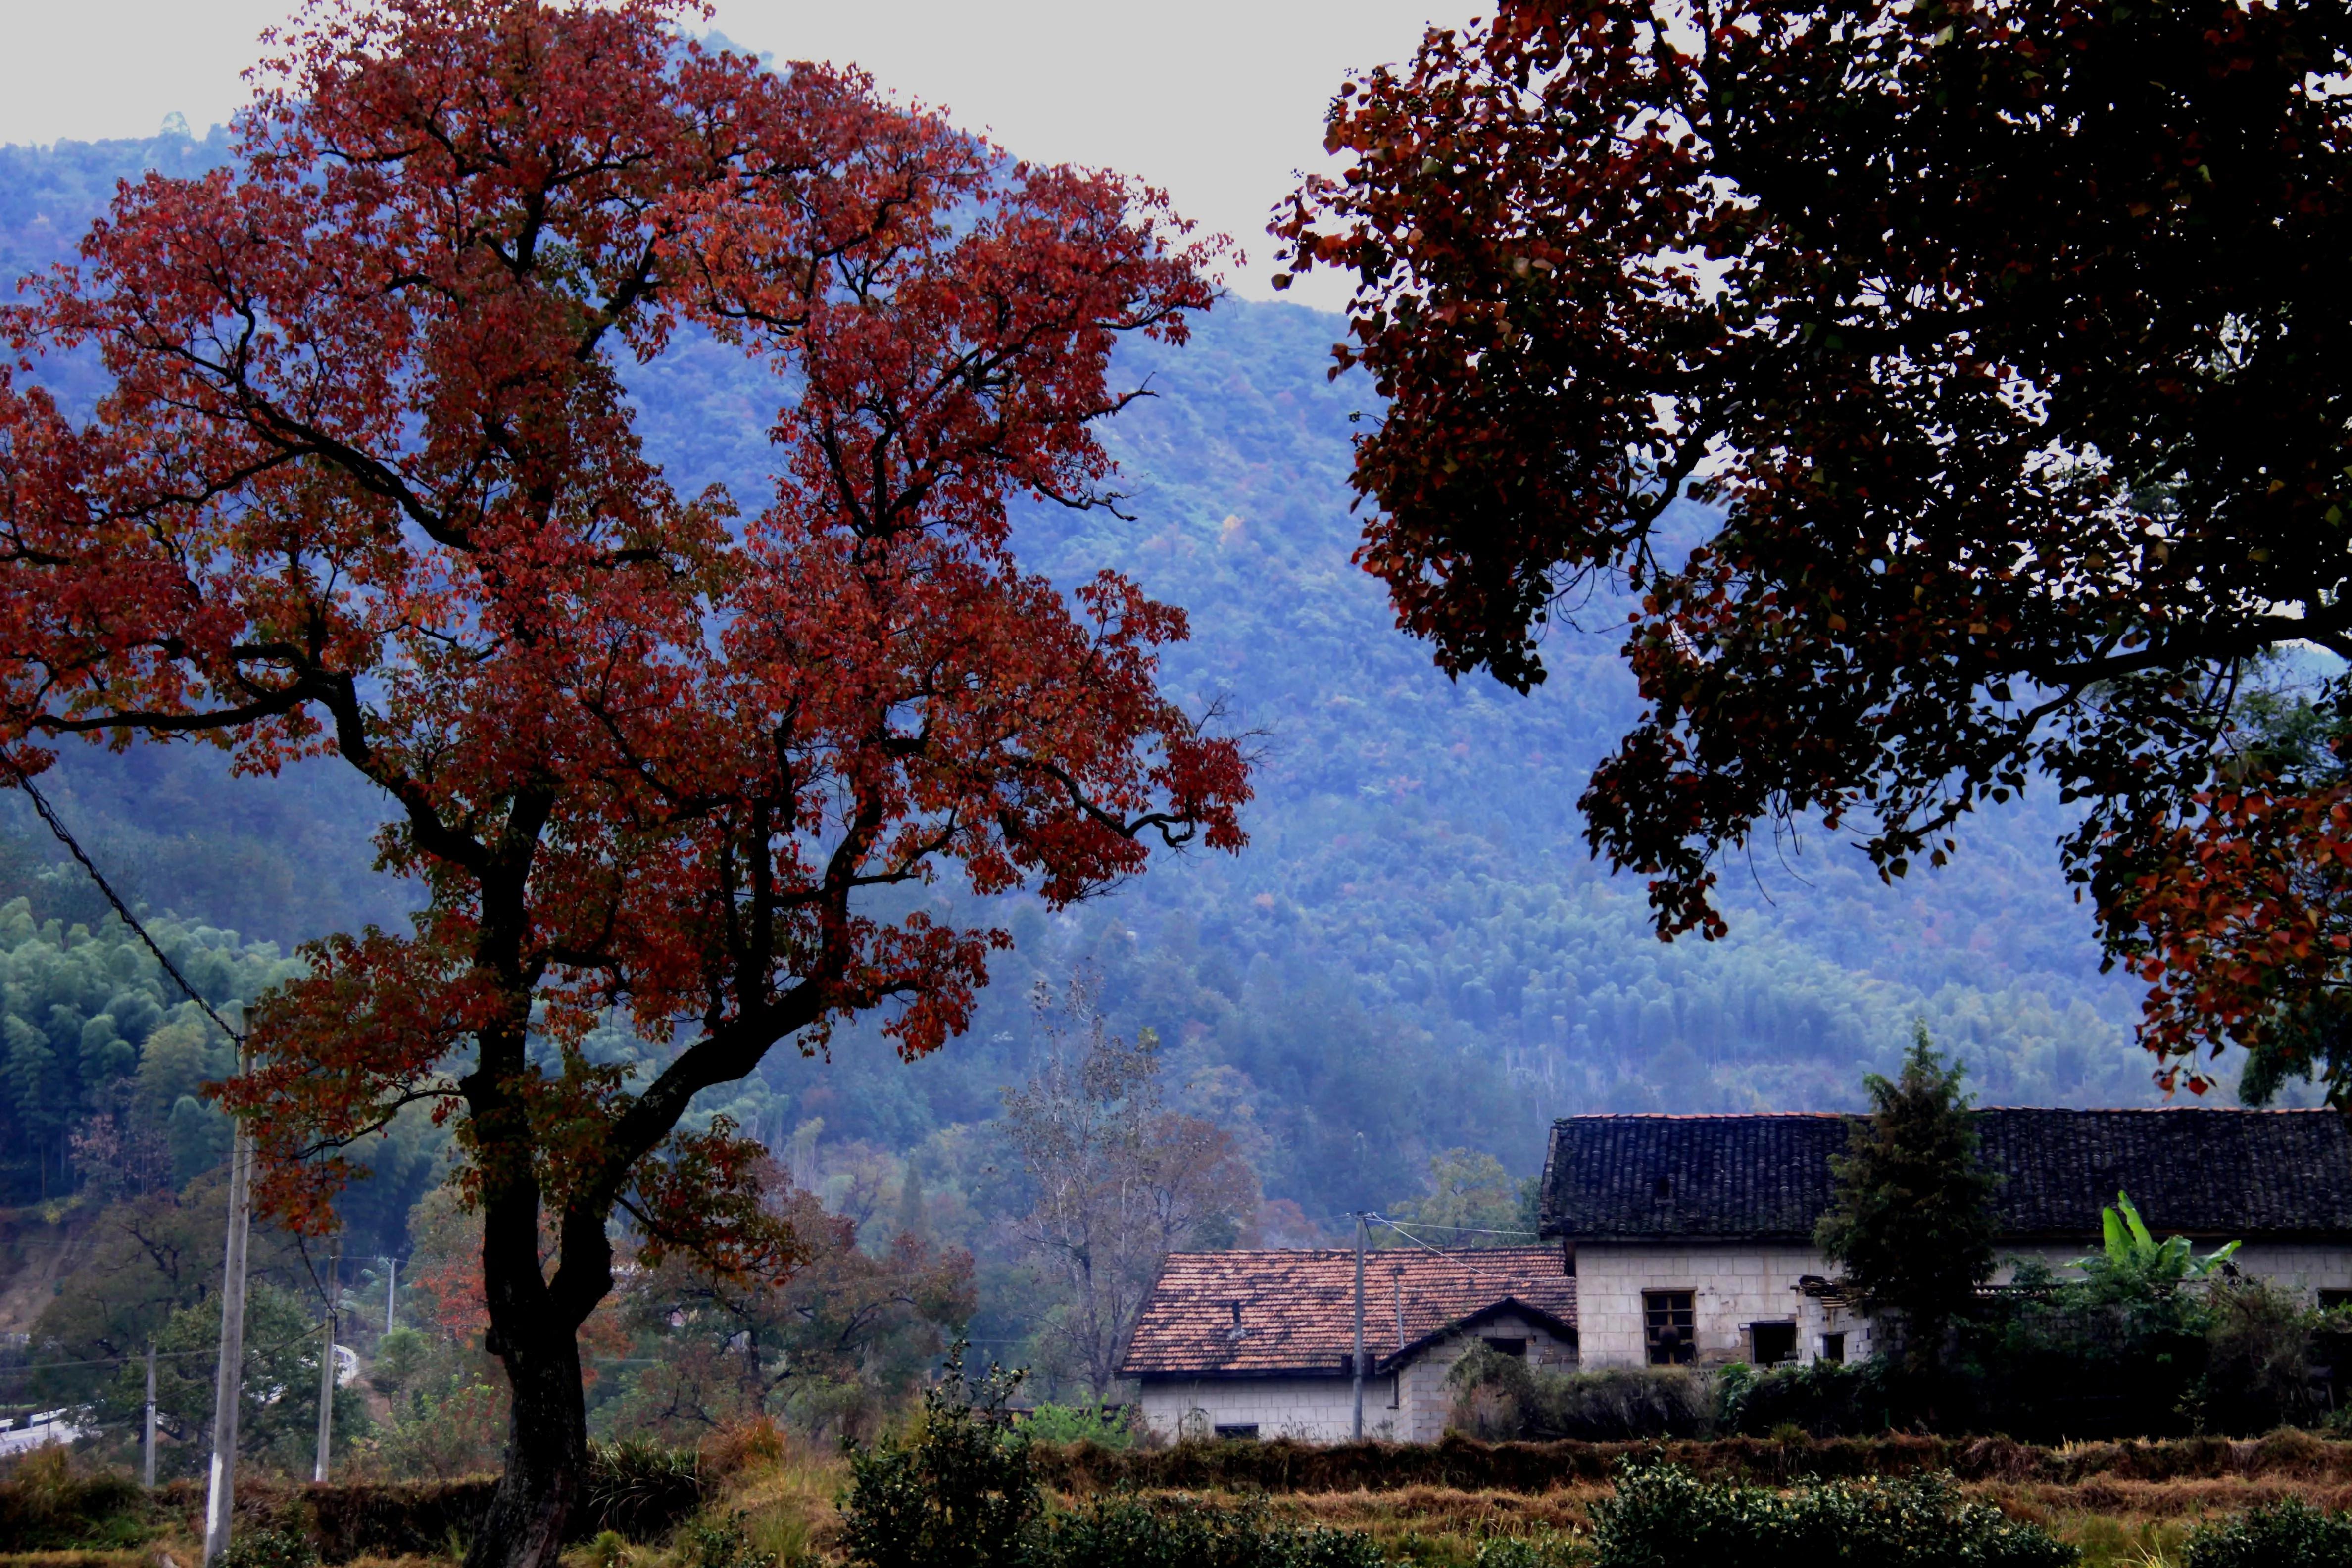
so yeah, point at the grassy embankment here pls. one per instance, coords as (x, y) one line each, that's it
(2125, 1505)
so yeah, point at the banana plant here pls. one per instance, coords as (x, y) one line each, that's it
(2133, 1262)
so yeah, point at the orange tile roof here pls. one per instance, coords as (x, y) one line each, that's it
(1297, 1307)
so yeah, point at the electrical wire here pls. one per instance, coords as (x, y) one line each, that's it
(108, 1360)
(160, 1355)
(1461, 1257)
(57, 825)
(1466, 1229)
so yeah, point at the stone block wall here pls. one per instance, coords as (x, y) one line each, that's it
(1735, 1285)
(1731, 1287)
(1425, 1402)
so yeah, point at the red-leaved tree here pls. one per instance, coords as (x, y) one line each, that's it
(368, 484)
(2006, 343)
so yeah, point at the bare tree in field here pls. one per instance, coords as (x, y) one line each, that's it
(1121, 1180)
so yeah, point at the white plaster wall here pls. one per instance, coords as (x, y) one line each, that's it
(2299, 1265)
(1412, 1405)
(1731, 1287)
(1312, 1409)
(1425, 1403)
(2307, 1268)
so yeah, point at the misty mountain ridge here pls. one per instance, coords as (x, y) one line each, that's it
(1415, 952)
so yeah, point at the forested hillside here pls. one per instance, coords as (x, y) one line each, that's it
(1415, 953)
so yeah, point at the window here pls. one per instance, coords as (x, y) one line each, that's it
(1768, 1344)
(1508, 1347)
(1833, 1347)
(1237, 1432)
(1670, 1326)
(2329, 1299)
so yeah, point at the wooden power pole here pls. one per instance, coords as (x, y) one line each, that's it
(327, 1364)
(1361, 1229)
(147, 1438)
(228, 1380)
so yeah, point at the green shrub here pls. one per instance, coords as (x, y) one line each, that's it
(1547, 1549)
(401, 1519)
(724, 1543)
(2258, 1341)
(399, 1357)
(2290, 1534)
(641, 1489)
(46, 1500)
(1123, 1533)
(1662, 1517)
(962, 1492)
(1104, 1425)
(1499, 1397)
(1825, 1399)
(268, 1549)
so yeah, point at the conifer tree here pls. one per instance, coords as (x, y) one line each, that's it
(1912, 1223)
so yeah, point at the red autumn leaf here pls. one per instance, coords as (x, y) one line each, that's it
(368, 485)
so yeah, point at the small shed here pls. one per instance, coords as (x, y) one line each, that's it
(1261, 1344)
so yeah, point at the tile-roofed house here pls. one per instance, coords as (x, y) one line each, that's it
(1260, 1343)
(1690, 1236)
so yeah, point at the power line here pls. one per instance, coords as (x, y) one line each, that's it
(160, 1355)
(108, 1360)
(1464, 1229)
(57, 825)
(230, 1375)
(1462, 1257)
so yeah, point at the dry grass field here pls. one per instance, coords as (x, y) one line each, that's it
(2124, 1505)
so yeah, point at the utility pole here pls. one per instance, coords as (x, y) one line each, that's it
(391, 1289)
(1361, 1229)
(147, 1444)
(327, 1364)
(228, 1382)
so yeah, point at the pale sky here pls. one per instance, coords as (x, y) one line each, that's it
(1217, 102)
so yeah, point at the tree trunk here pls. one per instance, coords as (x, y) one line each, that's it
(547, 1450)
(547, 1428)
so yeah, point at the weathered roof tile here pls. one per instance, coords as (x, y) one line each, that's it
(1260, 1313)
(2276, 1175)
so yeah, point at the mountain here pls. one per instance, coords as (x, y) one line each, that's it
(1415, 953)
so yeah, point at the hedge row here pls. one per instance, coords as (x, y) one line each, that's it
(1464, 1464)
(397, 1519)
(638, 1491)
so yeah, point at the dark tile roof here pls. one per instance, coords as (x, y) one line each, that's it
(1297, 1307)
(2276, 1174)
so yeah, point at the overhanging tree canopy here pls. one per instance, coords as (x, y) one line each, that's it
(368, 483)
(2009, 339)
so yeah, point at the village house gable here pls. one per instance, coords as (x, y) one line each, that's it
(1690, 1236)
(1261, 1344)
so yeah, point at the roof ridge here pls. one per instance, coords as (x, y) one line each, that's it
(1541, 1247)
(2168, 1110)
(2043, 1109)
(1702, 1116)
(2242, 1171)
